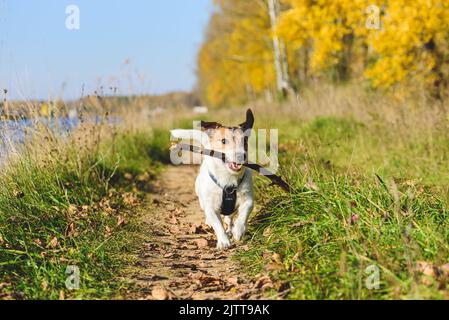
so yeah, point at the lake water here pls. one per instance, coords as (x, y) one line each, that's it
(15, 132)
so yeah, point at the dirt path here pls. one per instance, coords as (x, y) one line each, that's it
(178, 259)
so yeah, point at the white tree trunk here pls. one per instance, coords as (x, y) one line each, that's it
(280, 57)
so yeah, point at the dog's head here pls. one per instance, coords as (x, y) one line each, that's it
(232, 141)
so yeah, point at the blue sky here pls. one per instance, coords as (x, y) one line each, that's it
(139, 46)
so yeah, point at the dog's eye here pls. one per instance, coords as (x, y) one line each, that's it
(224, 141)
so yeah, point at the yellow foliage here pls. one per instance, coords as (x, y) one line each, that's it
(235, 62)
(410, 44)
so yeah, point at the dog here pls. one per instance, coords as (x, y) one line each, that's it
(225, 187)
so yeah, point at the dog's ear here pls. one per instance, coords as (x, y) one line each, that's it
(210, 125)
(248, 124)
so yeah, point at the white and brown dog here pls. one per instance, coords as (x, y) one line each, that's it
(225, 187)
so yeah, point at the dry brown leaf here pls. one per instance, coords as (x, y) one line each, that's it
(120, 221)
(107, 232)
(170, 207)
(311, 185)
(426, 268)
(72, 209)
(283, 288)
(201, 243)
(18, 194)
(70, 230)
(53, 243)
(178, 211)
(276, 257)
(105, 205)
(175, 230)
(264, 283)
(274, 267)
(445, 269)
(267, 232)
(302, 223)
(159, 293)
(297, 255)
(130, 199)
(198, 229)
(266, 255)
(233, 281)
(44, 285)
(172, 219)
(143, 177)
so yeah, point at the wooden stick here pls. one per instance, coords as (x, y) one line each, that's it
(275, 179)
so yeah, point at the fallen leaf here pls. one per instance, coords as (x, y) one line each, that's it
(276, 257)
(311, 185)
(205, 280)
(44, 285)
(267, 232)
(297, 255)
(283, 288)
(274, 267)
(107, 232)
(302, 223)
(445, 269)
(120, 221)
(61, 295)
(143, 177)
(170, 207)
(70, 230)
(130, 199)
(18, 194)
(105, 205)
(266, 255)
(425, 268)
(178, 211)
(53, 243)
(71, 210)
(159, 293)
(201, 243)
(172, 219)
(264, 283)
(233, 281)
(174, 230)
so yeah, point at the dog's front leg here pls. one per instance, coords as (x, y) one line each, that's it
(213, 219)
(239, 228)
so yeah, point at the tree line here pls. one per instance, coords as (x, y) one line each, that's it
(272, 48)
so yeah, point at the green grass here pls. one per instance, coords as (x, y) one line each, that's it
(78, 197)
(365, 196)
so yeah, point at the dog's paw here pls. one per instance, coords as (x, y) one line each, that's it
(224, 243)
(238, 231)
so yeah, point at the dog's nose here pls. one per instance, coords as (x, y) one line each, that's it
(240, 157)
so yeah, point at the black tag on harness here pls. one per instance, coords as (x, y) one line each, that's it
(229, 200)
